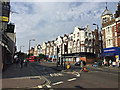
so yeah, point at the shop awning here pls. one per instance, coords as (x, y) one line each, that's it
(107, 54)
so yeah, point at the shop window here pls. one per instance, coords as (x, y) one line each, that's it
(70, 43)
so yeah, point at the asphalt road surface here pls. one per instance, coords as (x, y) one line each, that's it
(58, 78)
(94, 78)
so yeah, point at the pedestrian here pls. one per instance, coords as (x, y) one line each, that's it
(17, 62)
(81, 65)
(110, 62)
(21, 63)
(62, 62)
(113, 64)
(25, 62)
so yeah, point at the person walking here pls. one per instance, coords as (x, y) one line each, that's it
(21, 63)
(110, 62)
(17, 62)
(81, 65)
(25, 62)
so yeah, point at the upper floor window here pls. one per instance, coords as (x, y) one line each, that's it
(78, 34)
(74, 35)
(78, 43)
(108, 29)
(89, 42)
(86, 41)
(70, 43)
(89, 34)
(104, 20)
(109, 42)
(85, 33)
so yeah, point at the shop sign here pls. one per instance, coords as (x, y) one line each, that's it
(116, 56)
(3, 18)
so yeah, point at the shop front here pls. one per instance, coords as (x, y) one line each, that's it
(112, 54)
(75, 57)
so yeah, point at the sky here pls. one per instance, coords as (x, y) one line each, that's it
(45, 21)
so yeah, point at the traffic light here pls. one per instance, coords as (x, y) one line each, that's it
(57, 50)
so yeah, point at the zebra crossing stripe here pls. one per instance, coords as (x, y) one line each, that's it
(71, 79)
(57, 83)
(48, 86)
(40, 86)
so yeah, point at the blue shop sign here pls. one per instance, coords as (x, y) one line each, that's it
(110, 51)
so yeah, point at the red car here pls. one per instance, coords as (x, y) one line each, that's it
(32, 58)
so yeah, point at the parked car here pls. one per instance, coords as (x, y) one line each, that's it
(79, 62)
(96, 64)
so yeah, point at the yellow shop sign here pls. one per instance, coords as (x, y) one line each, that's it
(3, 18)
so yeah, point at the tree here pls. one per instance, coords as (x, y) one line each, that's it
(41, 56)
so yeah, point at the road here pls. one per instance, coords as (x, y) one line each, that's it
(56, 78)
(94, 78)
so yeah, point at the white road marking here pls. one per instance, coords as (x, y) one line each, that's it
(40, 86)
(56, 74)
(48, 86)
(27, 77)
(51, 75)
(71, 79)
(57, 83)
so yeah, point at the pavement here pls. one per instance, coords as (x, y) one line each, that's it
(16, 77)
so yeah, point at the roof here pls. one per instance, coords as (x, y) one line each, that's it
(106, 12)
(81, 28)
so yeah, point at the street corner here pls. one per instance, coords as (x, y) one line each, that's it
(23, 82)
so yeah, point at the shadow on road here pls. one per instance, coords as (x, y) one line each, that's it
(79, 87)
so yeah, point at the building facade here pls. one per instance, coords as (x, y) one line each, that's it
(79, 45)
(111, 34)
(7, 35)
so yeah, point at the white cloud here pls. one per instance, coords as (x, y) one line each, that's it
(45, 21)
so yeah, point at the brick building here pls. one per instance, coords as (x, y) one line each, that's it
(111, 34)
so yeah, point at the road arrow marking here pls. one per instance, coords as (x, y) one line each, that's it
(57, 83)
(71, 79)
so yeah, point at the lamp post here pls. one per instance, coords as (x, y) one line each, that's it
(21, 48)
(29, 44)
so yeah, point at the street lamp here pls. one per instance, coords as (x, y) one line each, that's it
(21, 48)
(30, 43)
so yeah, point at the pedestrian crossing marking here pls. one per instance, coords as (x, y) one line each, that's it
(71, 79)
(56, 74)
(48, 86)
(39, 86)
(57, 83)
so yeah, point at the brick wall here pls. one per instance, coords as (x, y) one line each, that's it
(104, 43)
(118, 34)
(113, 33)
